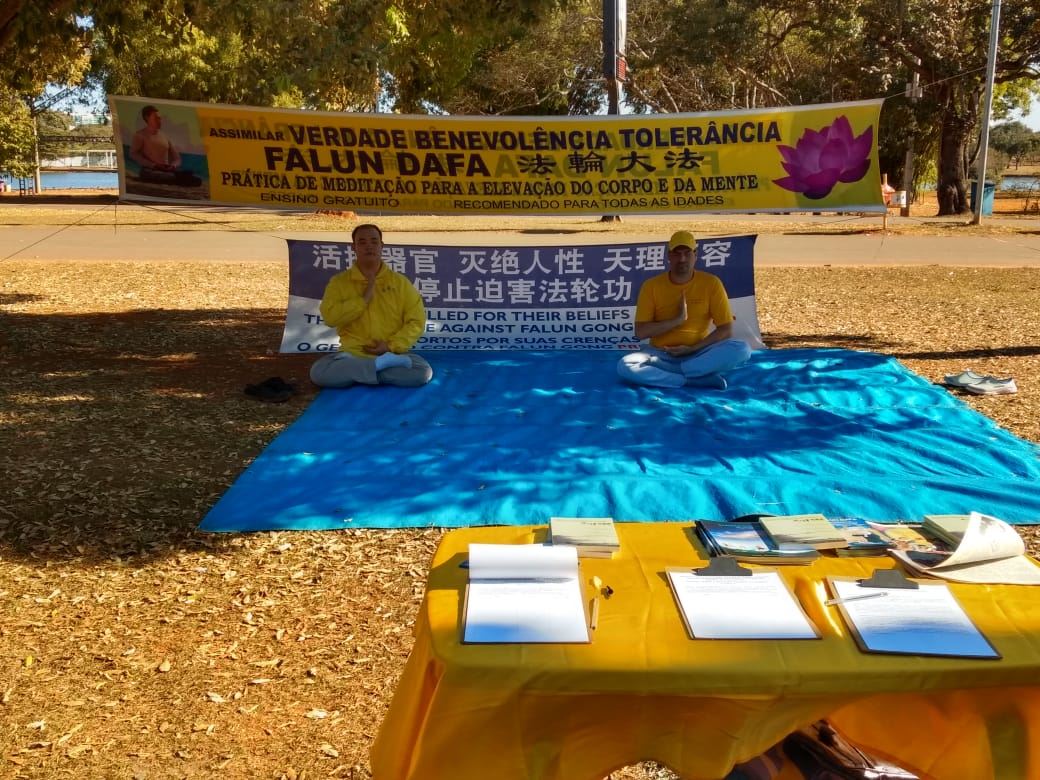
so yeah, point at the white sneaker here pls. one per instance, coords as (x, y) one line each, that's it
(990, 385)
(963, 379)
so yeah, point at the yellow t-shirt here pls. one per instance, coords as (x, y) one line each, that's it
(395, 315)
(706, 303)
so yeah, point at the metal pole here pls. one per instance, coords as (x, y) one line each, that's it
(37, 179)
(991, 69)
(611, 51)
(613, 107)
(913, 93)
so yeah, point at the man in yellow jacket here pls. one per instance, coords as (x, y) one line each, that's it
(676, 310)
(379, 316)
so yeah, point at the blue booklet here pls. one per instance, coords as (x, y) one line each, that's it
(748, 542)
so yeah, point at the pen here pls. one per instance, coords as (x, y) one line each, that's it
(594, 616)
(832, 602)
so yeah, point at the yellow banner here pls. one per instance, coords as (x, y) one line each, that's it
(803, 158)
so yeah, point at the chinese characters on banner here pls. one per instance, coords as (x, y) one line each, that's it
(800, 158)
(525, 297)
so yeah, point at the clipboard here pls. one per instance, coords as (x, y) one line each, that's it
(726, 601)
(722, 566)
(527, 594)
(520, 635)
(914, 618)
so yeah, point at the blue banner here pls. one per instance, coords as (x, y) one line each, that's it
(579, 296)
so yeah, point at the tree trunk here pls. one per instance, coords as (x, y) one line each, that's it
(959, 118)
(951, 192)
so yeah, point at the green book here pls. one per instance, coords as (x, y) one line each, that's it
(814, 531)
(948, 528)
(595, 537)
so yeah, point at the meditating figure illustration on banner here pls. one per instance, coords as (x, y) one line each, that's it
(675, 311)
(379, 316)
(159, 159)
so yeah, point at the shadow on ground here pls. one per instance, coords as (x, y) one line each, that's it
(843, 340)
(123, 429)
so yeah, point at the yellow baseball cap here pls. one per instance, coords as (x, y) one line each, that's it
(682, 238)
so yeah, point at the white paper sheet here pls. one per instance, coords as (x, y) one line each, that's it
(524, 593)
(755, 607)
(986, 539)
(923, 621)
(991, 551)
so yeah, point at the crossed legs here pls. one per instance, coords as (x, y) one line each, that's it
(342, 369)
(703, 368)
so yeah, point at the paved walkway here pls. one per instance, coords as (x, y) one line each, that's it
(854, 249)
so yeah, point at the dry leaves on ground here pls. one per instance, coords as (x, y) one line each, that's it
(133, 646)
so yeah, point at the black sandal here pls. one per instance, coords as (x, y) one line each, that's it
(274, 390)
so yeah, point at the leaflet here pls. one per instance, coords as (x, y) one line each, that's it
(926, 620)
(760, 606)
(524, 593)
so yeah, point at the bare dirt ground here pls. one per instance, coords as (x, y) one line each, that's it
(133, 646)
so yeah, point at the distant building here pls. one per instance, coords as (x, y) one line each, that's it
(81, 118)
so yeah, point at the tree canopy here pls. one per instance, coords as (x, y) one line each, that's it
(17, 138)
(1015, 140)
(946, 42)
(543, 57)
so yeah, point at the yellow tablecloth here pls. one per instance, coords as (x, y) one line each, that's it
(643, 690)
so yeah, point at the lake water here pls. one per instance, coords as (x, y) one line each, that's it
(1020, 184)
(79, 180)
(74, 180)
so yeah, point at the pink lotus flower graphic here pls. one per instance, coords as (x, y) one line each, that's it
(821, 159)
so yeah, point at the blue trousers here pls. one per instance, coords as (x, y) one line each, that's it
(657, 368)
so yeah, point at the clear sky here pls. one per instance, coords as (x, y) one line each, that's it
(1032, 119)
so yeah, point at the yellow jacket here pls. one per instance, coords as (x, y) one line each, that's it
(395, 314)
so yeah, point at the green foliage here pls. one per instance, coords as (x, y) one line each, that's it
(946, 42)
(323, 54)
(1013, 96)
(552, 69)
(312, 53)
(706, 55)
(58, 135)
(16, 136)
(53, 123)
(442, 48)
(1014, 140)
(543, 57)
(40, 44)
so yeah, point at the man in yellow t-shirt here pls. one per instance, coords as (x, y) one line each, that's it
(675, 311)
(379, 316)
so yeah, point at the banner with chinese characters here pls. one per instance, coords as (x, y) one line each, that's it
(518, 297)
(795, 158)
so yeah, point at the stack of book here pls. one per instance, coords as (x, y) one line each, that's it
(794, 538)
(814, 531)
(594, 537)
(863, 538)
(948, 529)
(748, 542)
(911, 537)
(797, 539)
(985, 549)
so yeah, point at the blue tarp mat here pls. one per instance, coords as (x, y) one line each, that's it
(515, 438)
